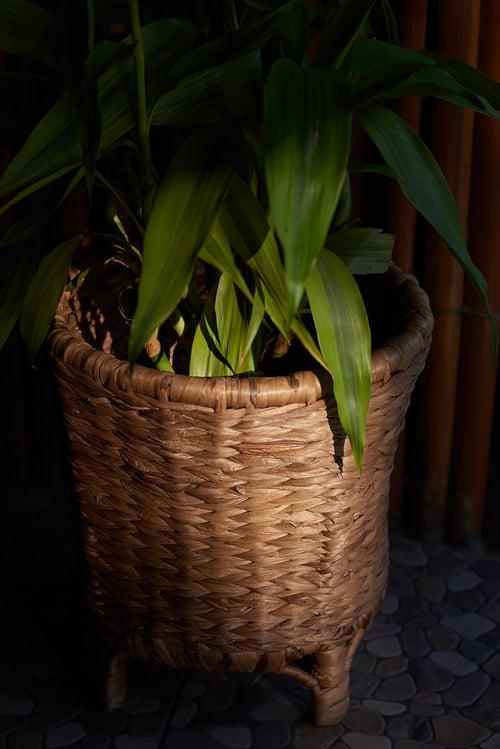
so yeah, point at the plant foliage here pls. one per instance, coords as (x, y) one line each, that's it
(218, 140)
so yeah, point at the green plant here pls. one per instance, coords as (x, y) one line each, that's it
(221, 139)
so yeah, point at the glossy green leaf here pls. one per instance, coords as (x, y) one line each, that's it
(368, 56)
(230, 90)
(44, 294)
(344, 337)
(221, 335)
(28, 29)
(308, 135)
(184, 210)
(380, 70)
(341, 31)
(254, 324)
(470, 78)
(249, 233)
(426, 81)
(217, 252)
(424, 184)
(54, 148)
(362, 250)
(17, 267)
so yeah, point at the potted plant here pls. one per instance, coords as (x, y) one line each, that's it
(232, 415)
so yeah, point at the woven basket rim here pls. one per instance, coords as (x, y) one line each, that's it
(220, 393)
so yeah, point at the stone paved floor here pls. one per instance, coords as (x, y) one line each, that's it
(426, 675)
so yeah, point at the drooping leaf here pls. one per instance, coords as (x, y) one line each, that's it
(17, 267)
(362, 250)
(250, 235)
(221, 335)
(214, 95)
(424, 184)
(44, 293)
(308, 134)
(380, 70)
(184, 210)
(430, 80)
(217, 252)
(254, 324)
(341, 31)
(368, 56)
(344, 337)
(29, 30)
(470, 78)
(54, 148)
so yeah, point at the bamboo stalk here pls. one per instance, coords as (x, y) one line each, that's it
(478, 366)
(452, 129)
(401, 215)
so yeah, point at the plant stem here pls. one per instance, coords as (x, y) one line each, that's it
(142, 116)
(91, 23)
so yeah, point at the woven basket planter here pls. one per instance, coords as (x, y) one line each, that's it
(225, 523)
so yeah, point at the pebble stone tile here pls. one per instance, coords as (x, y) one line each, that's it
(427, 675)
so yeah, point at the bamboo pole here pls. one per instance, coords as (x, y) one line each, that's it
(401, 215)
(452, 129)
(478, 366)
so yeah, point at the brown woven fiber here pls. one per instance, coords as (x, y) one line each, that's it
(225, 523)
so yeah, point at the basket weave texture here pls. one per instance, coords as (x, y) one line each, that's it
(225, 523)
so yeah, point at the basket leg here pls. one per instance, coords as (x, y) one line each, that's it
(115, 681)
(331, 696)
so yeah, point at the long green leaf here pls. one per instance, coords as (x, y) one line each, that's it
(380, 70)
(220, 338)
(54, 145)
(185, 208)
(18, 265)
(426, 81)
(250, 235)
(368, 56)
(217, 252)
(341, 31)
(470, 78)
(344, 337)
(424, 184)
(29, 30)
(308, 135)
(252, 238)
(44, 294)
(255, 322)
(362, 250)
(218, 94)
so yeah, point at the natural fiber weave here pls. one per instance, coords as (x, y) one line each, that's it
(225, 523)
